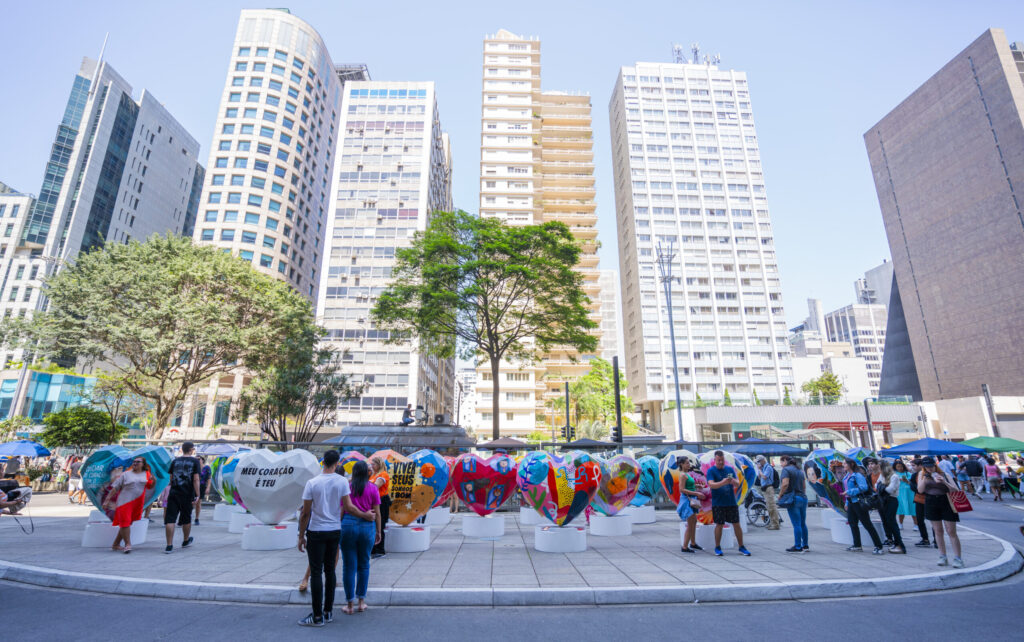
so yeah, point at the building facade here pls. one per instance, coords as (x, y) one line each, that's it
(948, 165)
(393, 169)
(875, 287)
(863, 326)
(688, 179)
(536, 165)
(611, 317)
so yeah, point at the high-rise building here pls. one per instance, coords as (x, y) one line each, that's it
(688, 179)
(536, 165)
(266, 193)
(948, 164)
(119, 169)
(611, 317)
(393, 170)
(863, 326)
(876, 285)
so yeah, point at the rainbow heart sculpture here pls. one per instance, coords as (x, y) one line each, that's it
(348, 460)
(650, 482)
(416, 481)
(271, 483)
(823, 469)
(484, 484)
(620, 478)
(106, 464)
(224, 480)
(559, 488)
(449, 490)
(671, 474)
(746, 473)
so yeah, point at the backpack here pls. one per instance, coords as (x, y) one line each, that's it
(776, 480)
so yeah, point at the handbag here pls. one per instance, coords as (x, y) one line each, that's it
(959, 502)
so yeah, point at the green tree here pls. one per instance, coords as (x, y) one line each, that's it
(787, 400)
(757, 401)
(9, 428)
(592, 396)
(726, 399)
(166, 315)
(112, 395)
(537, 435)
(80, 427)
(479, 288)
(826, 389)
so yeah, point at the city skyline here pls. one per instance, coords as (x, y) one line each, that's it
(917, 44)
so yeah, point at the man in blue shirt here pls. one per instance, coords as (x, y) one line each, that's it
(723, 481)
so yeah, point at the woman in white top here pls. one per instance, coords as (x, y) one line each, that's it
(888, 489)
(126, 496)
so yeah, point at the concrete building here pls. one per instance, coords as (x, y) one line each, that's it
(875, 287)
(688, 178)
(948, 164)
(466, 414)
(393, 169)
(863, 326)
(266, 194)
(120, 168)
(536, 165)
(611, 317)
(813, 355)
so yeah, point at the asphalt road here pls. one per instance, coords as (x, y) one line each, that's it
(45, 614)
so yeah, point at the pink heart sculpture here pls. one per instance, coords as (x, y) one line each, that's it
(484, 484)
(620, 478)
(450, 488)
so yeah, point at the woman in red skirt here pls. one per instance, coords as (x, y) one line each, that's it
(128, 492)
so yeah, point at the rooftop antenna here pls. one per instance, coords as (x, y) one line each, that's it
(717, 59)
(677, 55)
(695, 48)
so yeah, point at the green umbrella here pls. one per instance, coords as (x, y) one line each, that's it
(996, 444)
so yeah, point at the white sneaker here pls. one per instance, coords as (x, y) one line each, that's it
(943, 561)
(958, 563)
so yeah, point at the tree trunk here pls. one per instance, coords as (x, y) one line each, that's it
(495, 433)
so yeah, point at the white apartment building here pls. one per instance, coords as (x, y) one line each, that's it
(465, 397)
(611, 317)
(688, 176)
(536, 165)
(393, 169)
(876, 285)
(863, 326)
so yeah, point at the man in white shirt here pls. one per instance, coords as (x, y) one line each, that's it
(947, 467)
(320, 534)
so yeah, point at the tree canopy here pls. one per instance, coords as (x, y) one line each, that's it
(592, 396)
(482, 289)
(164, 315)
(825, 390)
(80, 427)
(9, 428)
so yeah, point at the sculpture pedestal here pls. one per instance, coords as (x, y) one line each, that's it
(98, 516)
(560, 539)
(475, 526)
(827, 516)
(611, 526)
(267, 537)
(239, 521)
(706, 536)
(102, 534)
(223, 512)
(414, 538)
(640, 514)
(439, 516)
(530, 517)
(841, 533)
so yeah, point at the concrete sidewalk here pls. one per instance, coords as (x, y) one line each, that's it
(645, 567)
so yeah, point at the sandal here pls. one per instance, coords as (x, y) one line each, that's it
(127, 549)
(303, 585)
(361, 608)
(347, 610)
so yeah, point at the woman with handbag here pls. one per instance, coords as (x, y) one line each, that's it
(689, 506)
(793, 497)
(858, 496)
(888, 488)
(938, 510)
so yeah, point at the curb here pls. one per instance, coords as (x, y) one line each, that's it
(1006, 564)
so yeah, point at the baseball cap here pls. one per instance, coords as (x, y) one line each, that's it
(927, 461)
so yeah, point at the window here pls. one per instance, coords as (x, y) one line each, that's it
(227, 235)
(230, 216)
(247, 129)
(14, 295)
(280, 55)
(243, 51)
(259, 66)
(20, 273)
(258, 182)
(255, 200)
(282, 267)
(235, 97)
(271, 223)
(224, 146)
(269, 241)
(221, 162)
(269, 116)
(207, 235)
(266, 261)
(274, 84)
(252, 97)
(277, 70)
(214, 197)
(252, 219)
(285, 138)
(237, 81)
(255, 81)
(246, 255)
(234, 197)
(273, 100)
(250, 112)
(232, 112)
(241, 66)
(249, 238)
(262, 148)
(241, 163)
(237, 180)
(243, 145)
(267, 132)
(260, 165)
(211, 216)
(261, 52)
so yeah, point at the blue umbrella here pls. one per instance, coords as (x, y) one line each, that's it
(929, 446)
(24, 448)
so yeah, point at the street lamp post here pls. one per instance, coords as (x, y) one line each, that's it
(665, 257)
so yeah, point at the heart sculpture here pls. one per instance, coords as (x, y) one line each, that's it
(673, 480)
(449, 490)
(484, 484)
(650, 483)
(224, 480)
(348, 460)
(559, 488)
(416, 481)
(106, 464)
(620, 477)
(822, 468)
(270, 483)
(387, 455)
(746, 474)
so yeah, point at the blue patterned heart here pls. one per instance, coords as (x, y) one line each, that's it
(105, 465)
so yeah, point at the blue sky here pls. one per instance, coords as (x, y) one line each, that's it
(820, 75)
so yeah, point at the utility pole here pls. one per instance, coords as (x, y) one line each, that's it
(665, 257)
(991, 409)
(617, 433)
(871, 430)
(568, 426)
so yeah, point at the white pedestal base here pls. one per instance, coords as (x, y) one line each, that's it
(439, 516)
(475, 526)
(239, 521)
(827, 516)
(102, 534)
(414, 538)
(98, 516)
(640, 514)
(264, 537)
(611, 526)
(841, 533)
(560, 539)
(530, 517)
(223, 512)
(706, 537)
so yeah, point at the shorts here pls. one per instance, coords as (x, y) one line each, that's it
(977, 482)
(76, 484)
(179, 509)
(995, 482)
(938, 509)
(725, 514)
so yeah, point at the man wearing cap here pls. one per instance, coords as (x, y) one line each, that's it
(768, 480)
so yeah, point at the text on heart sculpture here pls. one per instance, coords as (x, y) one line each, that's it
(106, 464)
(559, 488)
(271, 483)
(620, 477)
(484, 484)
(650, 484)
(416, 481)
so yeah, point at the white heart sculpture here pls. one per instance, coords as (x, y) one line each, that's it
(270, 483)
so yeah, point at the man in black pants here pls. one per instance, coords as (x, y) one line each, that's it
(182, 496)
(922, 525)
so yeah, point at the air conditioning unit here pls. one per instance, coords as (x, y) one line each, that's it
(441, 419)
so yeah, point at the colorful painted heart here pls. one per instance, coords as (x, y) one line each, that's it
(416, 481)
(559, 488)
(620, 477)
(105, 465)
(746, 474)
(670, 471)
(271, 483)
(484, 484)
(449, 490)
(348, 460)
(224, 480)
(822, 468)
(649, 485)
